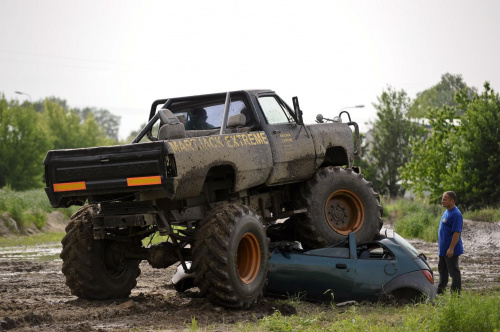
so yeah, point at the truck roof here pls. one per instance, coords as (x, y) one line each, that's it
(252, 92)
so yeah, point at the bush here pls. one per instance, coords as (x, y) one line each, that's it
(488, 214)
(416, 219)
(28, 207)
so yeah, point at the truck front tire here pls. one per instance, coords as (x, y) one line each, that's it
(339, 201)
(95, 269)
(231, 256)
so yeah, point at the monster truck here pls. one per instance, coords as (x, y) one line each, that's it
(216, 173)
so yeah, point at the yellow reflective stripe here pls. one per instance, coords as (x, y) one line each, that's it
(69, 186)
(144, 181)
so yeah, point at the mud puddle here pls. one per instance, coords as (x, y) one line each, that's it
(44, 253)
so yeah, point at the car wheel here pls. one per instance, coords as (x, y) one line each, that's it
(405, 296)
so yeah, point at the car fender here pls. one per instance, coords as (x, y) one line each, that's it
(414, 280)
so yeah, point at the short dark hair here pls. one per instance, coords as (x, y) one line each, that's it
(452, 195)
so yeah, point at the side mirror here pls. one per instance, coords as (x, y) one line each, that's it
(297, 110)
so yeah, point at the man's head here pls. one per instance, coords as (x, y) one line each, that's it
(449, 199)
(199, 115)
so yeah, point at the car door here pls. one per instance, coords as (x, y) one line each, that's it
(373, 270)
(292, 146)
(313, 276)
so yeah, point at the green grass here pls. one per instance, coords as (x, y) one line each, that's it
(415, 219)
(488, 214)
(157, 238)
(470, 312)
(28, 207)
(32, 240)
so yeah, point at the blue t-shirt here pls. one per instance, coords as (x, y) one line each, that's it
(451, 222)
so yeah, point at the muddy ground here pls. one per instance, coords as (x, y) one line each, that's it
(33, 295)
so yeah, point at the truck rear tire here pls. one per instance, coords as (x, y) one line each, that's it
(339, 201)
(230, 256)
(95, 269)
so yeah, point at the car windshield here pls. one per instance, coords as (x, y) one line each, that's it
(402, 242)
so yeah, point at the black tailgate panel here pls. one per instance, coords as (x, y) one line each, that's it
(103, 170)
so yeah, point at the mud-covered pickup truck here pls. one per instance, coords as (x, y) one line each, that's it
(218, 173)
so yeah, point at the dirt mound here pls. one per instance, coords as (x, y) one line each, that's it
(8, 226)
(55, 222)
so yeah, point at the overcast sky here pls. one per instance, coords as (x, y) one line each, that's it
(123, 55)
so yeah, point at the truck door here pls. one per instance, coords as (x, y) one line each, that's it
(291, 145)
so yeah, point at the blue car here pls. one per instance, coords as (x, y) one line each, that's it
(386, 268)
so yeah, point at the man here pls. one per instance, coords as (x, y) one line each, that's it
(450, 244)
(198, 120)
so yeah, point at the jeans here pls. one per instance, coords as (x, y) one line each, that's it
(449, 266)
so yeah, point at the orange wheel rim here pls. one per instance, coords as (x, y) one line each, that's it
(248, 258)
(344, 212)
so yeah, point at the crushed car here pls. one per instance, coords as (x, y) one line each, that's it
(388, 268)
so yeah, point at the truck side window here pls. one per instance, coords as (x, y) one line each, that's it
(274, 112)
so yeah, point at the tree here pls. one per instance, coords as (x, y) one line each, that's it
(432, 161)
(478, 149)
(439, 95)
(108, 121)
(66, 130)
(23, 145)
(463, 157)
(389, 148)
(40, 104)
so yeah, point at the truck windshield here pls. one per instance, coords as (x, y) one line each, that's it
(274, 111)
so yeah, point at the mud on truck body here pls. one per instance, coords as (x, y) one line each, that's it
(216, 187)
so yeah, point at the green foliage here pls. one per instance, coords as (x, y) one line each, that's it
(66, 130)
(22, 145)
(28, 131)
(469, 312)
(194, 325)
(432, 161)
(32, 240)
(461, 157)
(25, 207)
(416, 219)
(107, 121)
(440, 95)
(389, 147)
(28, 207)
(477, 146)
(487, 214)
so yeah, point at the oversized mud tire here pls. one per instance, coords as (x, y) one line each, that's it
(230, 256)
(339, 201)
(92, 267)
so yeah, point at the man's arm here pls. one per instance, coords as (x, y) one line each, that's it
(454, 241)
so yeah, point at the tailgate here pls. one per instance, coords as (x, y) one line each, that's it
(105, 173)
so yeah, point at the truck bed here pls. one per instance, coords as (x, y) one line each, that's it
(104, 173)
